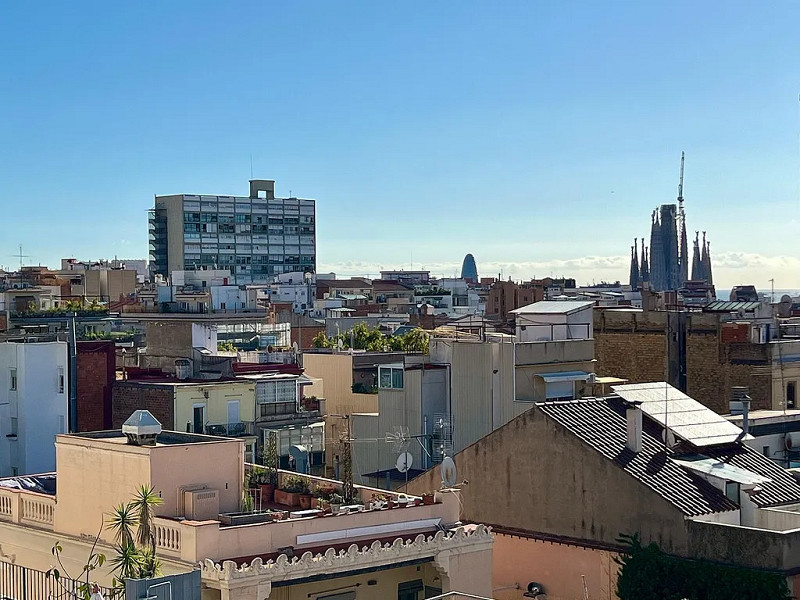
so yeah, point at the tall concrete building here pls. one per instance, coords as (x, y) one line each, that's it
(253, 237)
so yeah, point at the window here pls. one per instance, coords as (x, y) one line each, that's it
(409, 590)
(390, 378)
(791, 399)
(13, 380)
(765, 451)
(60, 380)
(732, 491)
(269, 392)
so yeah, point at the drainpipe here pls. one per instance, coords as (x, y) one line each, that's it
(73, 375)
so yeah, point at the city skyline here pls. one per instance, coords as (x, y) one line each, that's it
(423, 132)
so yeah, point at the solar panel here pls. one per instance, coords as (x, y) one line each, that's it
(685, 417)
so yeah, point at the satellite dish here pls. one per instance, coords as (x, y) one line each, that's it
(404, 462)
(668, 437)
(448, 469)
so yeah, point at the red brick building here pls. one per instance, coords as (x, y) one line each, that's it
(96, 373)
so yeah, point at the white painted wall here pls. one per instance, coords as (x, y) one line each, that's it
(204, 336)
(39, 405)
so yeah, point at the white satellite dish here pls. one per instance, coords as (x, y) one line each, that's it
(448, 469)
(404, 462)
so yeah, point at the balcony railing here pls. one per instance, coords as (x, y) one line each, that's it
(29, 508)
(239, 429)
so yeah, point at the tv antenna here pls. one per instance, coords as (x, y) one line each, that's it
(399, 439)
(20, 256)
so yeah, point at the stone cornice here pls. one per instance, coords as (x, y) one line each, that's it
(355, 557)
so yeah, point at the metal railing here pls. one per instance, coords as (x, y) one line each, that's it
(23, 583)
(230, 429)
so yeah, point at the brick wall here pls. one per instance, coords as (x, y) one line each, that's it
(634, 346)
(96, 372)
(130, 396)
(3, 324)
(308, 334)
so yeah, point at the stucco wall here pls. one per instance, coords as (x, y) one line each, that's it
(534, 475)
(518, 561)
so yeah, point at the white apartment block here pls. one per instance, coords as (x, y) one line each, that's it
(253, 237)
(34, 400)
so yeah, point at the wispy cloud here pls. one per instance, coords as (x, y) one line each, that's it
(730, 268)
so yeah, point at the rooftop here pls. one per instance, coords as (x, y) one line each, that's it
(553, 307)
(601, 424)
(730, 306)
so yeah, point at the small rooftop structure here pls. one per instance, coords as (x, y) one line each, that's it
(141, 428)
(559, 307)
(731, 306)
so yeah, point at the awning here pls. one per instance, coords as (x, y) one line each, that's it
(565, 376)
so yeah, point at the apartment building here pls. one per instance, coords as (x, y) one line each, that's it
(34, 392)
(358, 552)
(562, 481)
(253, 237)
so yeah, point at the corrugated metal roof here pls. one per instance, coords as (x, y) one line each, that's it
(730, 306)
(604, 428)
(684, 416)
(555, 307)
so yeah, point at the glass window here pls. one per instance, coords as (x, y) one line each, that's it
(60, 380)
(13, 379)
(390, 378)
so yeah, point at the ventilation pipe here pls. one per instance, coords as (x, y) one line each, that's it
(740, 405)
(633, 414)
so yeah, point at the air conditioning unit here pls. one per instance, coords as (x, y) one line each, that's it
(201, 505)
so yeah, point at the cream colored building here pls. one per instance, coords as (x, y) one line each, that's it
(366, 554)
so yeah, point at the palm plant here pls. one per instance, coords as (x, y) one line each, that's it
(136, 555)
(127, 563)
(144, 502)
(122, 520)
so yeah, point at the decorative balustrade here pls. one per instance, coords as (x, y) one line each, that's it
(168, 537)
(6, 504)
(28, 508)
(37, 509)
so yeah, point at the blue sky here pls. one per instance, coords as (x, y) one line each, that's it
(538, 136)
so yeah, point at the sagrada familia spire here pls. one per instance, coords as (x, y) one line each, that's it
(667, 265)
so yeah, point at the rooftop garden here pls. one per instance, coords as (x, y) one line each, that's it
(372, 339)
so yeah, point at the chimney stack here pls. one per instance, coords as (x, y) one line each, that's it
(740, 405)
(633, 413)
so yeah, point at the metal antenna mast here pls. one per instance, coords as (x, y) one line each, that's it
(20, 256)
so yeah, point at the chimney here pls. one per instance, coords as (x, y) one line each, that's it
(740, 405)
(633, 413)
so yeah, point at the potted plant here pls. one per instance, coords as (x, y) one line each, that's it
(428, 498)
(290, 493)
(336, 503)
(269, 455)
(322, 494)
(378, 501)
